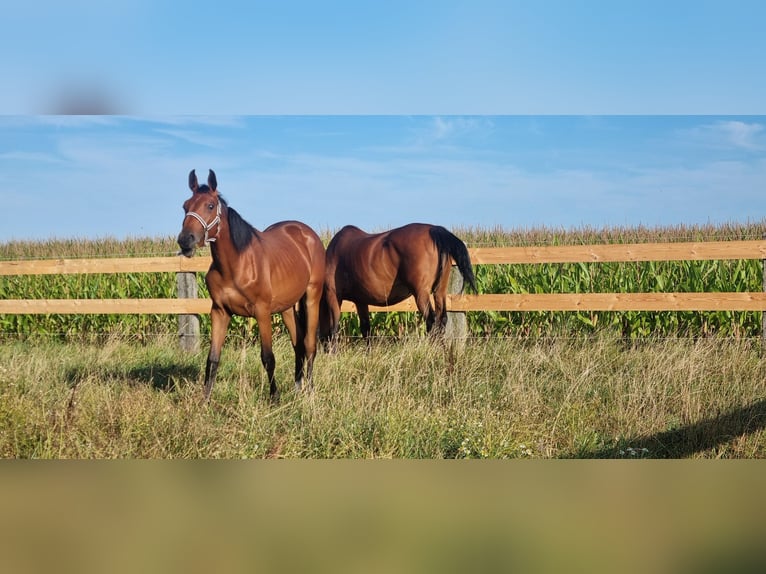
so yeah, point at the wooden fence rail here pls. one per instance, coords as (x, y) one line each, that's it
(753, 249)
(188, 306)
(456, 303)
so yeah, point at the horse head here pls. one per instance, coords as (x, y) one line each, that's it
(202, 213)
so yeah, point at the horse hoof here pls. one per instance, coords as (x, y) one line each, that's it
(307, 389)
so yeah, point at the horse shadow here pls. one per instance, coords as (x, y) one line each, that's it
(698, 437)
(164, 377)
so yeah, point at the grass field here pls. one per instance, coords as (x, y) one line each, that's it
(495, 398)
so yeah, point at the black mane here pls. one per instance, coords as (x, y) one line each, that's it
(242, 233)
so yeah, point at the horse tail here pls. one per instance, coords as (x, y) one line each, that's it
(302, 315)
(449, 245)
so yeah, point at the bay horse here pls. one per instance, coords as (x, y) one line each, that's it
(385, 268)
(256, 274)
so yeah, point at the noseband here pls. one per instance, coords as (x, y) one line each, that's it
(208, 226)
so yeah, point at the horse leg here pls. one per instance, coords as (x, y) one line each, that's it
(329, 319)
(440, 308)
(310, 320)
(334, 303)
(325, 324)
(364, 321)
(296, 338)
(267, 354)
(219, 324)
(440, 316)
(423, 301)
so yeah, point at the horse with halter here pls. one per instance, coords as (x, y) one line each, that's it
(256, 274)
(385, 268)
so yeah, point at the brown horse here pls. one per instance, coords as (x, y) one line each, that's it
(255, 274)
(385, 268)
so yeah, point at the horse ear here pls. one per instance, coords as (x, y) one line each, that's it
(212, 183)
(193, 181)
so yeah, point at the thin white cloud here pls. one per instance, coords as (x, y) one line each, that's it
(729, 134)
(30, 156)
(741, 134)
(448, 128)
(442, 128)
(195, 137)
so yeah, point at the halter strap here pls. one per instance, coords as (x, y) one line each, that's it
(208, 226)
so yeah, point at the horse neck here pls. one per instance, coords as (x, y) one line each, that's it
(223, 251)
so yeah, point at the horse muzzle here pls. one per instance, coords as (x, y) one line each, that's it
(188, 243)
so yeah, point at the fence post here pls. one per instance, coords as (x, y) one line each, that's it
(763, 313)
(188, 325)
(457, 324)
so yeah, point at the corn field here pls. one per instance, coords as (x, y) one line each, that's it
(677, 276)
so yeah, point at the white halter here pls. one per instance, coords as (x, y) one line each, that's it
(208, 226)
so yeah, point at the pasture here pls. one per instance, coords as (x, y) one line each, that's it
(524, 385)
(495, 398)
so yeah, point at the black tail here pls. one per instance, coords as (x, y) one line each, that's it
(450, 245)
(301, 317)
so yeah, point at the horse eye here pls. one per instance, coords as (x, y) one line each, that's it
(210, 206)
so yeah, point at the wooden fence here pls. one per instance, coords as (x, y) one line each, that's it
(717, 250)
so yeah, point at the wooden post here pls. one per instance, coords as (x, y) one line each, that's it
(763, 313)
(188, 325)
(457, 324)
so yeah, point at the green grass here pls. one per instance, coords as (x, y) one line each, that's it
(594, 397)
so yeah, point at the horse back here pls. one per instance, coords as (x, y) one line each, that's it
(380, 268)
(294, 245)
(290, 260)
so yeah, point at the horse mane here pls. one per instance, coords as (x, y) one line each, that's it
(241, 232)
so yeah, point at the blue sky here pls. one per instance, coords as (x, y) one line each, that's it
(90, 176)
(519, 114)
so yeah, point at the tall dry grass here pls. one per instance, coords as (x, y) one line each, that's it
(594, 397)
